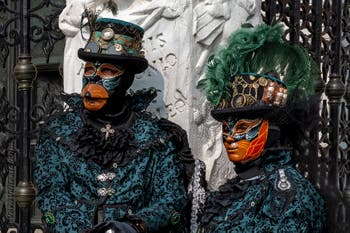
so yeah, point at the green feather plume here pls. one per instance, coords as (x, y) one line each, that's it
(258, 50)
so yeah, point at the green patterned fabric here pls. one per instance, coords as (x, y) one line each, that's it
(149, 185)
(260, 205)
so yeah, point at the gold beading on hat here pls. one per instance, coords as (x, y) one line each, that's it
(246, 89)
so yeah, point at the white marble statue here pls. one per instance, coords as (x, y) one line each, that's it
(214, 21)
(179, 37)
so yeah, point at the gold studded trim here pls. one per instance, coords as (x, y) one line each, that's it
(250, 90)
(121, 44)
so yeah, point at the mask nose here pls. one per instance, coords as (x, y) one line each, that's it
(94, 79)
(229, 139)
(87, 94)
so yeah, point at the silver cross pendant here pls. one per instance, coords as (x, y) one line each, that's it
(107, 130)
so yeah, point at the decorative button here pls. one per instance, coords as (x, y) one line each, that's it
(111, 175)
(283, 183)
(115, 165)
(118, 47)
(107, 34)
(102, 192)
(58, 138)
(252, 204)
(106, 176)
(262, 81)
(102, 177)
(49, 218)
(105, 191)
(175, 218)
(108, 130)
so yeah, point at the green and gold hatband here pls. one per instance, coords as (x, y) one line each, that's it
(115, 41)
(252, 94)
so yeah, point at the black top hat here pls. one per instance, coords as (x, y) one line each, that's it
(117, 42)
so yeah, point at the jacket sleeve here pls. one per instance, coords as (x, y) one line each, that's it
(60, 212)
(298, 209)
(166, 194)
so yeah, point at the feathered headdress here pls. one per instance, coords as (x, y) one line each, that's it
(258, 74)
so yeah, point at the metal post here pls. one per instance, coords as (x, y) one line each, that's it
(335, 90)
(271, 11)
(25, 73)
(295, 20)
(313, 159)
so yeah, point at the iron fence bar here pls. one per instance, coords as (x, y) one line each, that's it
(335, 90)
(313, 159)
(25, 73)
(271, 11)
(346, 76)
(295, 21)
(317, 30)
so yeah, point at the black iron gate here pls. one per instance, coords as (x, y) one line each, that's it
(322, 26)
(24, 25)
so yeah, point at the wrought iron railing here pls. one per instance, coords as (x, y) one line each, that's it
(323, 28)
(20, 26)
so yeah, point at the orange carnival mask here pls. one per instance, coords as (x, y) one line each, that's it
(244, 139)
(100, 81)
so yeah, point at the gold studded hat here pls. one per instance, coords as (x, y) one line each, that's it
(259, 75)
(115, 41)
(253, 95)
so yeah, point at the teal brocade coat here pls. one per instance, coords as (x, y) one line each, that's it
(275, 199)
(143, 181)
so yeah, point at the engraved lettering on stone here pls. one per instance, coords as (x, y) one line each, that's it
(161, 40)
(178, 105)
(170, 61)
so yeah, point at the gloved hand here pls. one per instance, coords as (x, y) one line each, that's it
(113, 227)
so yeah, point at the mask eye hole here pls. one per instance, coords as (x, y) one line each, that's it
(225, 128)
(89, 70)
(241, 128)
(245, 125)
(107, 71)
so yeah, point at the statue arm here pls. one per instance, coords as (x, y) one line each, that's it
(60, 212)
(70, 18)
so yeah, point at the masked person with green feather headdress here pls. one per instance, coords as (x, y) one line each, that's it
(262, 90)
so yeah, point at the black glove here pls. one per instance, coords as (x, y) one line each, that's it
(113, 227)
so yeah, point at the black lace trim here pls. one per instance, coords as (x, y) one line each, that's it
(120, 147)
(220, 200)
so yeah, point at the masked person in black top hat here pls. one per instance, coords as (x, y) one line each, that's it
(262, 90)
(104, 164)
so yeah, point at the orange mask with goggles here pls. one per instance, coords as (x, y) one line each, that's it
(244, 139)
(100, 81)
